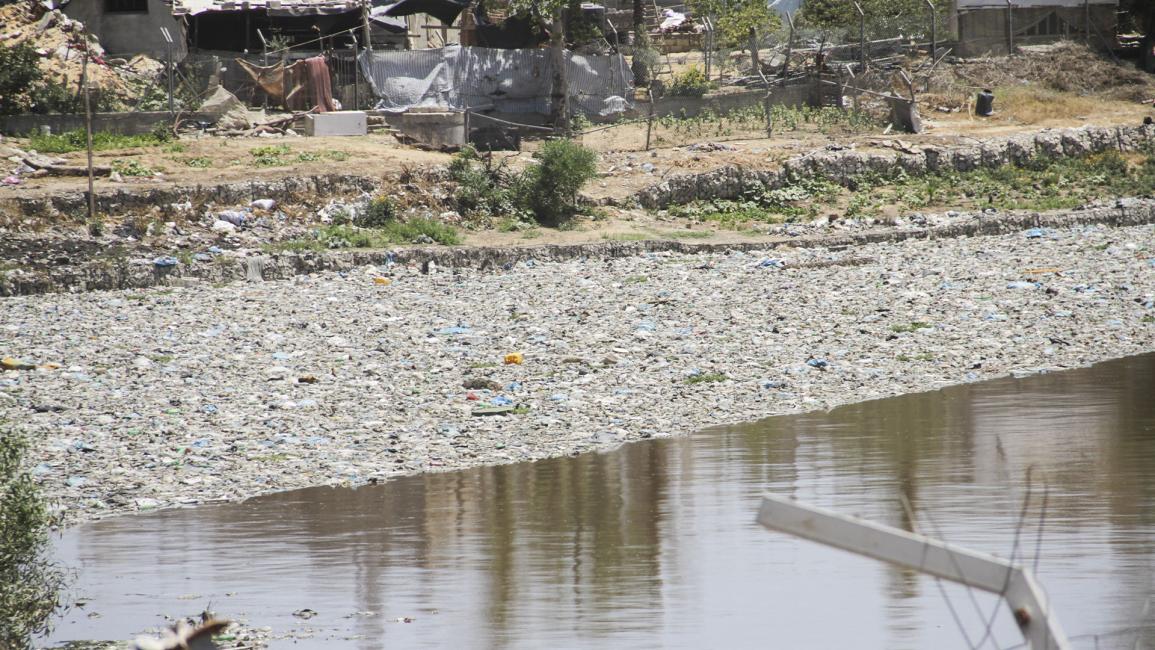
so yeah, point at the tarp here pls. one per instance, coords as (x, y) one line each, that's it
(508, 81)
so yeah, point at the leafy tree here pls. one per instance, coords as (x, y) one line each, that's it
(18, 71)
(882, 16)
(30, 583)
(734, 19)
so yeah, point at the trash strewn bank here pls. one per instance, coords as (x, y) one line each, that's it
(141, 400)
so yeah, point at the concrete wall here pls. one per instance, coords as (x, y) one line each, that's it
(984, 31)
(131, 33)
(125, 123)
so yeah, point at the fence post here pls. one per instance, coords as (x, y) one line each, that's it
(789, 47)
(861, 37)
(934, 29)
(650, 119)
(1010, 27)
(1087, 21)
(168, 64)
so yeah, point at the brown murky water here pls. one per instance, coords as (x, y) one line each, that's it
(655, 545)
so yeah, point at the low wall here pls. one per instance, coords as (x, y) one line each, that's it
(843, 167)
(124, 123)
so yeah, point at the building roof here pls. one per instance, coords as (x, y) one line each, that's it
(1028, 4)
(271, 7)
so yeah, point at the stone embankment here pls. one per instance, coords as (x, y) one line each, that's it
(845, 166)
(255, 266)
(174, 396)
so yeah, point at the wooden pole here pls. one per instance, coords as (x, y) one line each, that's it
(88, 128)
(365, 32)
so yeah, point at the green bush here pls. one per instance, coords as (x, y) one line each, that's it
(18, 72)
(380, 212)
(549, 189)
(30, 583)
(482, 187)
(691, 82)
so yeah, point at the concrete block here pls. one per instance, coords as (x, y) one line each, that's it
(337, 123)
(440, 130)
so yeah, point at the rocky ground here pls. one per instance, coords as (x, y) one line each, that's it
(173, 396)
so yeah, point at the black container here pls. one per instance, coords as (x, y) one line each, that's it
(985, 104)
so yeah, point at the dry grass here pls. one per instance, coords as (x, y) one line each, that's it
(1063, 68)
(1033, 105)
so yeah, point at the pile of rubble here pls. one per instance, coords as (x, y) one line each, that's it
(60, 42)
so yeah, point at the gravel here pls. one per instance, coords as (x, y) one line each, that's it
(178, 396)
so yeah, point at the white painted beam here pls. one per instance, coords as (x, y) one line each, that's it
(1015, 584)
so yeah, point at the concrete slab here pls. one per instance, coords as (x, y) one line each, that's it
(337, 123)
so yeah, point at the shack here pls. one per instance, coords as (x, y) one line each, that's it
(994, 26)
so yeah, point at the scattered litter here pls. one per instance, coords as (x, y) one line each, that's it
(514, 358)
(165, 261)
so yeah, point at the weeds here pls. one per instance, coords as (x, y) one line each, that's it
(390, 233)
(131, 168)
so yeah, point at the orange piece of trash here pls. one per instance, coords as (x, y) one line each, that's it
(514, 358)
(382, 281)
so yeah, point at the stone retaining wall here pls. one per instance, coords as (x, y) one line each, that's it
(109, 275)
(843, 167)
(283, 190)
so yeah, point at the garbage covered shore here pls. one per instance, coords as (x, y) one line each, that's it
(178, 396)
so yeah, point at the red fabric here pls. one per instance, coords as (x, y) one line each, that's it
(320, 84)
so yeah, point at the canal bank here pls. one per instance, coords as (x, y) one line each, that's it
(183, 396)
(654, 544)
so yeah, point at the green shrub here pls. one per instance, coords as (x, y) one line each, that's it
(30, 583)
(381, 211)
(549, 189)
(482, 187)
(692, 82)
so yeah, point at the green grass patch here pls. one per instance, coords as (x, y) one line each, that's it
(270, 156)
(413, 231)
(910, 327)
(131, 168)
(687, 234)
(706, 378)
(199, 162)
(71, 141)
(625, 236)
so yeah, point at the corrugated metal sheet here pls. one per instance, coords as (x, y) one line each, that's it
(509, 81)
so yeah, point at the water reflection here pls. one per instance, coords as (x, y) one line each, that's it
(654, 545)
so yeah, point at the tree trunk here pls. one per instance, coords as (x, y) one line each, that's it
(639, 19)
(559, 105)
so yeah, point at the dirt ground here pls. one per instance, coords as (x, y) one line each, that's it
(1055, 99)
